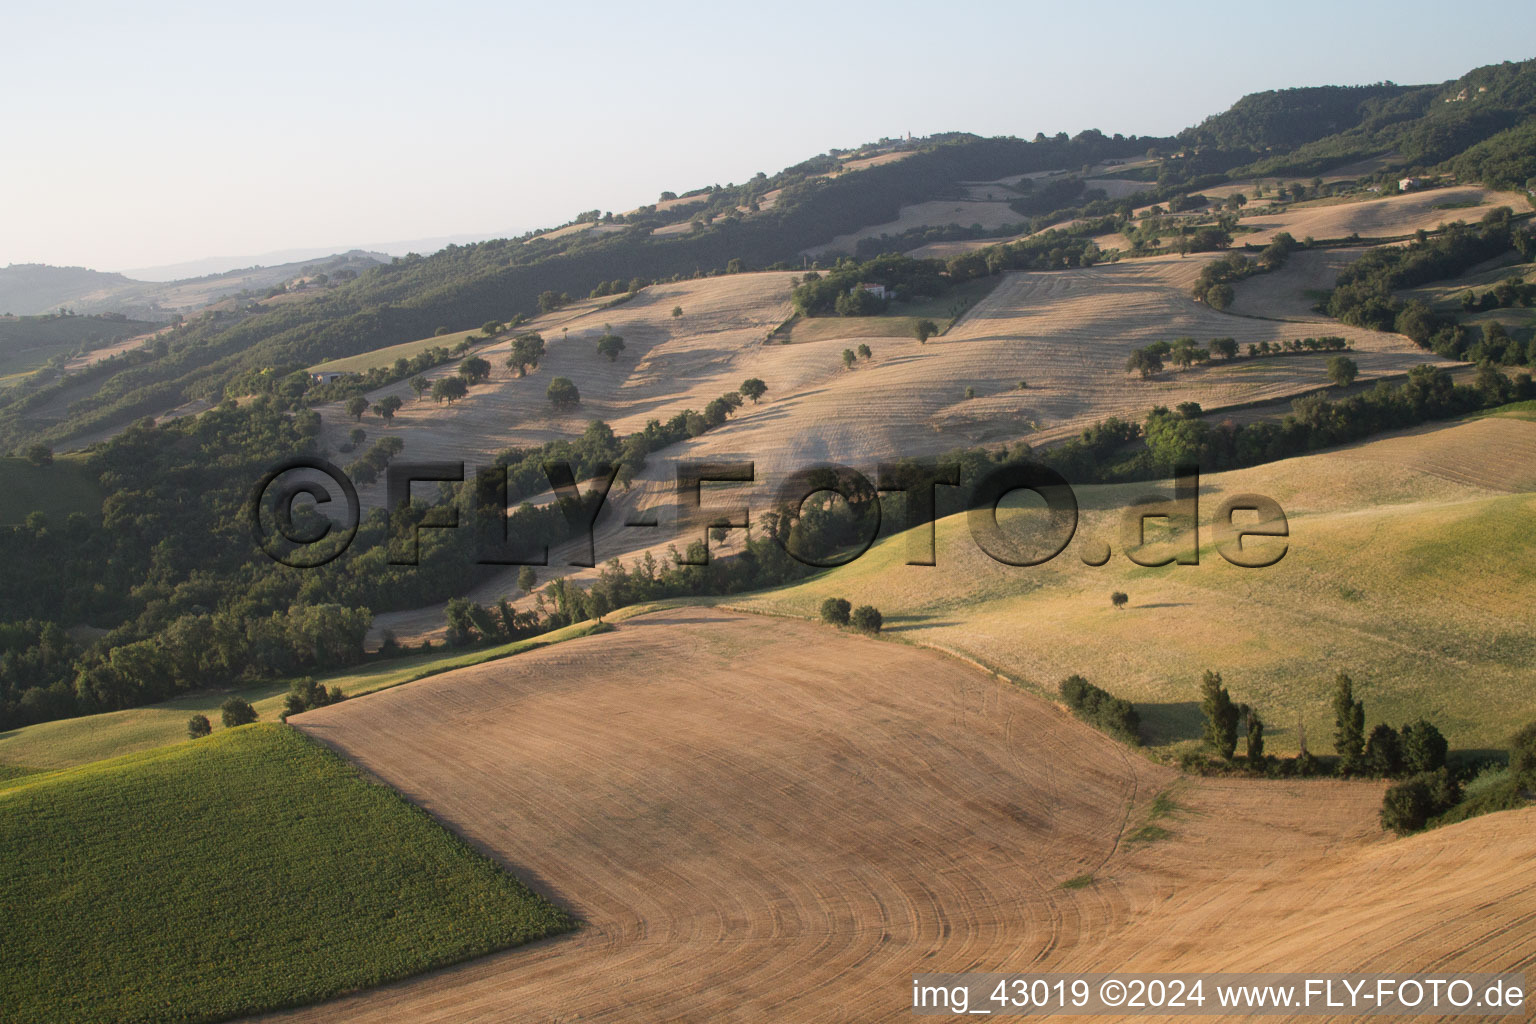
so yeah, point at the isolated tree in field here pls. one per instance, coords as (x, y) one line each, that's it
(527, 350)
(490, 328)
(677, 311)
(1348, 725)
(449, 389)
(1144, 362)
(866, 619)
(1342, 370)
(1224, 347)
(237, 711)
(527, 579)
(609, 346)
(356, 436)
(925, 329)
(864, 352)
(835, 611)
(198, 726)
(356, 406)
(1423, 748)
(387, 407)
(1023, 385)
(752, 389)
(562, 394)
(474, 370)
(848, 358)
(1119, 599)
(970, 393)
(1255, 748)
(1220, 715)
(420, 385)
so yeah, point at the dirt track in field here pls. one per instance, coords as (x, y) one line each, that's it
(761, 819)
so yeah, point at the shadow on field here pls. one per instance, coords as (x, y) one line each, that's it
(907, 623)
(1169, 723)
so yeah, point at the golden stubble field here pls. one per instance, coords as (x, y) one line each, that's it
(758, 819)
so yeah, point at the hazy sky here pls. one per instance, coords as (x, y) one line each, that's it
(151, 133)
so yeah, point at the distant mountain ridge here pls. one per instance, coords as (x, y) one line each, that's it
(29, 289)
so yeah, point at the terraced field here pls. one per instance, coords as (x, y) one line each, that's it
(766, 820)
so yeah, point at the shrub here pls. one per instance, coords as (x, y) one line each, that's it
(834, 610)
(1119, 598)
(198, 726)
(237, 711)
(1408, 806)
(866, 619)
(1102, 709)
(1522, 756)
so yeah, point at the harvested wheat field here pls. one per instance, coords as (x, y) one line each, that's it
(1385, 217)
(990, 214)
(767, 820)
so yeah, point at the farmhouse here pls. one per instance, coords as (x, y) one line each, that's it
(326, 377)
(1409, 184)
(879, 291)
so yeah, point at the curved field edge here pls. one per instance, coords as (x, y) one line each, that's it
(249, 871)
(70, 742)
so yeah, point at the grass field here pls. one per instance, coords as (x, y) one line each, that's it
(51, 746)
(381, 357)
(244, 872)
(57, 490)
(1408, 567)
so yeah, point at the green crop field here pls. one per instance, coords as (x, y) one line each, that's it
(239, 873)
(68, 742)
(381, 357)
(56, 490)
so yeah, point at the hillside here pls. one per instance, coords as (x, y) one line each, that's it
(755, 834)
(33, 289)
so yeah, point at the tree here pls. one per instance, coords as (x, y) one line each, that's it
(1522, 756)
(1219, 296)
(970, 393)
(357, 436)
(1224, 347)
(38, 455)
(449, 389)
(527, 579)
(490, 328)
(356, 406)
(1423, 748)
(562, 394)
(387, 407)
(677, 311)
(1408, 806)
(237, 711)
(598, 604)
(1383, 752)
(1023, 385)
(610, 345)
(420, 385)
(1119, 599)
(1342, 370)
(866, 619)
(864, 352)
(1348, 725)
(474, 370)
(1220, 715)
(198, 726)
(1144, 362)
(848, 358)
(752, 389)
(1255, 748)
(527, 350)
(925, 329)
(835, 611)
